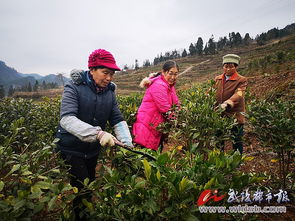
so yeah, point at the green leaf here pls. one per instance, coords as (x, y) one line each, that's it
(35, 189)
(151, 205)
(158, 174)
(26, 172)
(147, 169)
(87, 204)
(13, 169)
(51, 203)
(42, 177)
(209, 183)
(140, 184)
(162, 159)
(196, 135)
(66, 213)
(236, 160)
(1, 185)
(36, 193)
(183, 183)
(38, 207)
(55, 170)
(19, 204)
(168, 210)
(86, 181)
(43, 185)
(191, 217)
(245, 158)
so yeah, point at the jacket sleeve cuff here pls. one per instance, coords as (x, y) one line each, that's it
(122, 133)
(85, 132)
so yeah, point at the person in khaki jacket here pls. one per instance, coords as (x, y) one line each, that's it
(230, 95)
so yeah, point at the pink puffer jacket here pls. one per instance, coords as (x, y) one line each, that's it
(158, 99)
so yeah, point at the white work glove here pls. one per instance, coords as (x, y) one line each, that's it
(223, 106)
(106, 139)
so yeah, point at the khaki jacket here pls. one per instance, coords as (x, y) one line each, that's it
(232, 92)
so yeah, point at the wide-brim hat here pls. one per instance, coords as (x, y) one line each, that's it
(231, 58)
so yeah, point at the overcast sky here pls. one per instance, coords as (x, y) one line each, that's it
(50, 36)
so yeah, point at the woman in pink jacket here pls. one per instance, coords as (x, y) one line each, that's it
(159, 97)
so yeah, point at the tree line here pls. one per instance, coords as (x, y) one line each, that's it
(275, 33)
(27, 88)
(234, 39)
(199, 48)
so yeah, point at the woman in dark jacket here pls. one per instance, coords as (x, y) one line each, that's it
(88, 103)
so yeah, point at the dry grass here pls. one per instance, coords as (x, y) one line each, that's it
(51, 93)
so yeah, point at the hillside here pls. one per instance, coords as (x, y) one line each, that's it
(270, 69)
(8, 74)
(261, 64)
(36, 76)
(9, 77)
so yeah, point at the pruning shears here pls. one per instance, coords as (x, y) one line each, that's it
(124, 146)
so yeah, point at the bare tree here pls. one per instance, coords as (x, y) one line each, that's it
(60, 77)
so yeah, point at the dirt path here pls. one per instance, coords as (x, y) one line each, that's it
(192, 66)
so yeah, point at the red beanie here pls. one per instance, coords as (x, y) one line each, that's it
(101, 57)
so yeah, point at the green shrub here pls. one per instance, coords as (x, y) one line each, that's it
(165, 189)
(31, 182)
(40, 121)
(199, 125)
(274, 125)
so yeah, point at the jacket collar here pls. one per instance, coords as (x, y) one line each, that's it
(91, 83)
(234, 77)
(152, 79)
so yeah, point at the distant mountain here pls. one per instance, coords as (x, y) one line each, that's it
(36, 76)
(51, 78)
(22, 81)
(9, 76)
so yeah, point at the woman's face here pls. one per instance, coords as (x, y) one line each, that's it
(171, 75)
(102, 76)
(229, 69)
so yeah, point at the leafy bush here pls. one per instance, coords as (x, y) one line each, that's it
(128, 106)
(31, 183)
(40, 121)
(165, 189)
(199, 124)
(274, 125)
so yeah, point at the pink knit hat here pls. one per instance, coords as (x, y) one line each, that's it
(101, 57)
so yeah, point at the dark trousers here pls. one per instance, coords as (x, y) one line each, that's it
(164, 139)
(238, 133)
(80, 169)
